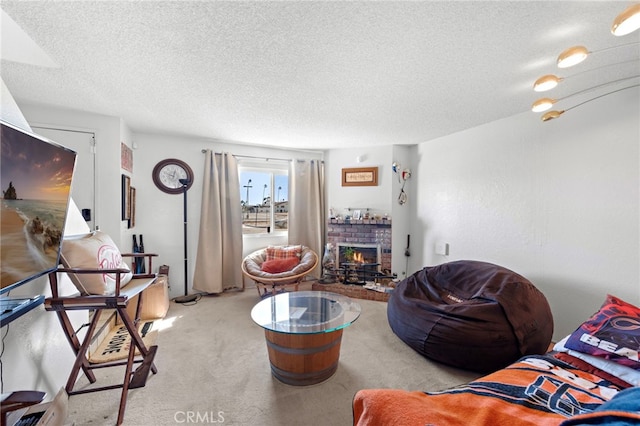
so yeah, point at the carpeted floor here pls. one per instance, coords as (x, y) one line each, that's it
(213, 368)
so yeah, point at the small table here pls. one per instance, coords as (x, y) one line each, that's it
(303, 330)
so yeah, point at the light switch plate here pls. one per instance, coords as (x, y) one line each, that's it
(442, 248)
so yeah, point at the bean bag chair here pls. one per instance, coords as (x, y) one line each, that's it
(470, 314)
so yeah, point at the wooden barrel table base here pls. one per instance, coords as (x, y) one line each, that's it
(303, 359)
(303, 332)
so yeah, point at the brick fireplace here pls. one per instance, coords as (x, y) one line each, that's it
(363, 233)
(374, 233)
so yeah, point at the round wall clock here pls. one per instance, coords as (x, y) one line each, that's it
(168, 173)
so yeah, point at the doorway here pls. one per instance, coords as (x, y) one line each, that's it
(83, 187)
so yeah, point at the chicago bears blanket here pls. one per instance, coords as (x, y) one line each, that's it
(535, 390)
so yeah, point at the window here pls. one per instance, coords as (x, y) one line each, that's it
(264, 195)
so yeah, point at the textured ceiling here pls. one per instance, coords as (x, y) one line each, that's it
(311, 74)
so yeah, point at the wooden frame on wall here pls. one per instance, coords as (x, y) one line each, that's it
(126, 157)
(132, 213)
(360, 176)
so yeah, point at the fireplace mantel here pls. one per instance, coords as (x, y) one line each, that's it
(362, 231)
(358, 222)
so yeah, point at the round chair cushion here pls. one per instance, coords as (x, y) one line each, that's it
(252, 266)
(470, 314)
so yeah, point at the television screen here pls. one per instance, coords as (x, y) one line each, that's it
(35, 178)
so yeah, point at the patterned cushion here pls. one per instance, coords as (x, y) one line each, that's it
(94, 251)
(253, 264)
(612, 333)
(283, 252)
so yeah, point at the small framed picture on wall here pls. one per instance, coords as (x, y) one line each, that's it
(361, 176)
(126, 197)
(132, 204)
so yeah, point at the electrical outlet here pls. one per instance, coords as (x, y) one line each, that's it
(442, 248)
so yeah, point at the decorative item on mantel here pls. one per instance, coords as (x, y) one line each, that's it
(359, 215)
(376, 219)
(329, 274)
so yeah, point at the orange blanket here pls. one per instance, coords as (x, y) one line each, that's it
(536, 390)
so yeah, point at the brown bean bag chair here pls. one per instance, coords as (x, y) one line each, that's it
(472, 315)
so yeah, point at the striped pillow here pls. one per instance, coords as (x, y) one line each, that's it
(283, 252)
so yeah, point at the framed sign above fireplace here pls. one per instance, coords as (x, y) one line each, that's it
(361, 176)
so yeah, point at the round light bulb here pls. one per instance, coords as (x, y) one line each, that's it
(542, 104)
(546, 82)
(572, 56)
(627, 22)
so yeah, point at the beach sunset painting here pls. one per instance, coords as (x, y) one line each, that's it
(35, 178)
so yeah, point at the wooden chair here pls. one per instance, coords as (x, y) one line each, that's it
(269, 283)
(116, 301)
(18, 400)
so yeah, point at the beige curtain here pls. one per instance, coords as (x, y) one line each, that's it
(219, 257)
(307, 206)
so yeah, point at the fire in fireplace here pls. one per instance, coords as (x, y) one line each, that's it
(358, 262)
(357, 253)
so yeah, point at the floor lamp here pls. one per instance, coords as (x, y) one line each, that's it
(187, 297)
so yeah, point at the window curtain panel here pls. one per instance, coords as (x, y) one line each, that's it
(219, 257)
(307, 206)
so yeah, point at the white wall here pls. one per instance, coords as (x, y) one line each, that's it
(557, 202)
(159, 216)
(377, 198)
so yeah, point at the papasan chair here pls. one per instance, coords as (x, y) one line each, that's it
(275, 268)
(470, 314)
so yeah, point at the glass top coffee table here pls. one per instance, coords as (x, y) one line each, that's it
(303, 330)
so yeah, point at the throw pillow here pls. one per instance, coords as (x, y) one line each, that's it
(94, 251)
(629, 375)
(612, 333)
(276, 266)
(283, 252)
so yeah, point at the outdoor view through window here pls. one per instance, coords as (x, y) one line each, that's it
(264, 195)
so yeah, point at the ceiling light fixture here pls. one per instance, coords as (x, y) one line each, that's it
(627, 22)
(572, 56)
(544, 104)
(576, 54)
(550, 81)
(556, 114)
(546, 82)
